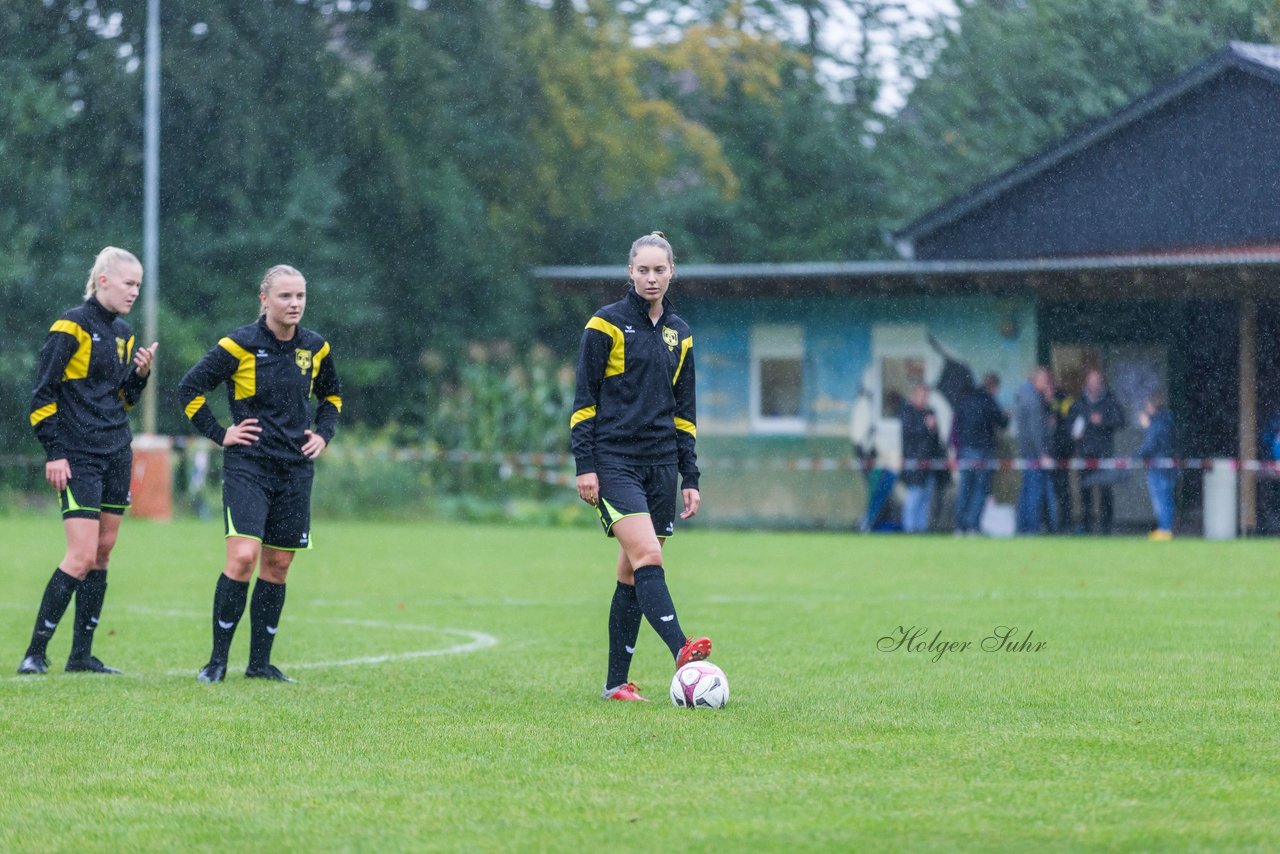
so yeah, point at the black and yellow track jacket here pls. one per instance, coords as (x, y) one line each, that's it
(85, 383)
(270, 380)
(635, 397)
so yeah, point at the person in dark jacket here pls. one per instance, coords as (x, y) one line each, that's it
(632, 431)
(978, 419)
(921, 448)
(271, 370)
(89, 375)
(1062, 448)
(1269, 478)
(1095, 418)
(1033, 420)
(1159, 443)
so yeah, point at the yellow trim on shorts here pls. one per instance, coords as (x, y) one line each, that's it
(616, 516)
(305, 548)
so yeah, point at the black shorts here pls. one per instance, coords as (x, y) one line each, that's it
(270, 504)
(99, 484)
(627, 489)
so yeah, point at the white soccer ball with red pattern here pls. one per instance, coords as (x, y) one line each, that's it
(700, 685)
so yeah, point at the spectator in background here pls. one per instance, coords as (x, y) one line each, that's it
(1269, 478)
(1032, 421)
(1159, 443)
(1095, 418)
(978, 418)
(1062, 448)
(921, 446)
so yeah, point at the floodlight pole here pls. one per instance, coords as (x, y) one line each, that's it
(151, 202)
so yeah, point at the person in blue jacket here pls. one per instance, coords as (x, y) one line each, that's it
(1159, 443)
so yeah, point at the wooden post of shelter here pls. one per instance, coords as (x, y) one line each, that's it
(1248, 412)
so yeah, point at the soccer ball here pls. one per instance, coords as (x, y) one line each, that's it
(700, 685)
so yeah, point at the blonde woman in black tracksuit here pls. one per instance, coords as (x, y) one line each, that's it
(633, 430)
(272, 369)
(89, 375)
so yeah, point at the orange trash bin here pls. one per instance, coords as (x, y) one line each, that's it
(151, 482)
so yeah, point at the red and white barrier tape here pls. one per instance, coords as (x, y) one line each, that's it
(542, 466)
(1073, 464)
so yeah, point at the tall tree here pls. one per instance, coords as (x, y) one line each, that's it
(66, 153)
(1011, 78)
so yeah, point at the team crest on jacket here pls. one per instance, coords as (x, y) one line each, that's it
(670, 337)
(303, 358)
(121, 348)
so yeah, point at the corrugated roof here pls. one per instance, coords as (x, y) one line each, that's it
(1261, 60)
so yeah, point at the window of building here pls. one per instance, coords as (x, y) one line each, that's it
(777, 379)
(898, 375)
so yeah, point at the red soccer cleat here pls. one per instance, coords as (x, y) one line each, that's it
(628, 691)
(695, 649)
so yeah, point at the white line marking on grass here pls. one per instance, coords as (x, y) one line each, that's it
(469, 602)
(479, 640)
(475, 641)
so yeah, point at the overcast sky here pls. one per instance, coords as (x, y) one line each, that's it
(842, 38)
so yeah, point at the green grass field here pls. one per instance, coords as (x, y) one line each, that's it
(1147, 721)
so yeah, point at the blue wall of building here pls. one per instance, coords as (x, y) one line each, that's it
(990, 333)
(747, 481)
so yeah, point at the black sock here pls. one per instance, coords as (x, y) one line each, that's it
(264, 612)
(659, 610)
(624, 628)
(228, 607)
(89, 596)
(57, 596)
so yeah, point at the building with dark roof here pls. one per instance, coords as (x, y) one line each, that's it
(1146, 244)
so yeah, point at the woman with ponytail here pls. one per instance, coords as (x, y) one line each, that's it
(89, 375)
(633, 431)
(272, 369)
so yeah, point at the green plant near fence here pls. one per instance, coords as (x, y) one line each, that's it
(501, 402)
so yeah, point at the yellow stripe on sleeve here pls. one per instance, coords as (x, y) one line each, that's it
(315, 371)
(617, 352)
(685, 346)
(246, 375)
(336, 401)
(78, 367)
(687, 426)
(43, 412)
(194, 406)
(584, 414)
